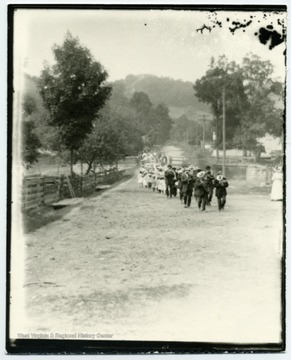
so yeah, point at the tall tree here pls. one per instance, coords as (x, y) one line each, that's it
(264, 111)
(161, 124)
(113, 137)
(142, 105)
(223, 75)
(74, 89)
(153, 122)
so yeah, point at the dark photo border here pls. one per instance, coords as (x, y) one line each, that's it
(30, 346)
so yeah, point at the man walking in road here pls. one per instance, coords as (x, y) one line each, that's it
(187, 189)
(201, 193)
(209, 179)
(220, 184)
(169, 181)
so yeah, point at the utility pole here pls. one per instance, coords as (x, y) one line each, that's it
(203, 120)
(223, 128)
(216, 135)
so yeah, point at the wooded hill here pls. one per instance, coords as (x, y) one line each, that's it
(177, 95)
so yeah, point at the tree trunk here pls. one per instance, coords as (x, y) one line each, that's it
(257, 155)
(89, 167)
(90, 164)
(72, 160)
(216, 140)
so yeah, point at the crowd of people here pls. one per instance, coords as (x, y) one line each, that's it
(184, 183)
(153, 157)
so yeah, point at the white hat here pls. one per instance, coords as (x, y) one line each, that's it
(201, 174)
(219, 177)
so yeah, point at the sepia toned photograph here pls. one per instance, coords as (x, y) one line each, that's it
(147, 179)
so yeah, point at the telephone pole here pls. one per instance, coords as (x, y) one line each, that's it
(203, 121)
(223, 129)
(204, 118)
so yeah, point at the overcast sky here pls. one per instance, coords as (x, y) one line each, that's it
(159, 42)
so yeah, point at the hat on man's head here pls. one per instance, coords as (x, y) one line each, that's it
(201, 174)
(219, 177)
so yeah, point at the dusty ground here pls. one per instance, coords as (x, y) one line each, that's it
(133, 264)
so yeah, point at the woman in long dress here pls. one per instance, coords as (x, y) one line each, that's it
(277, 184)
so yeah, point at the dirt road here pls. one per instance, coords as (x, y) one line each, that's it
(132, 264)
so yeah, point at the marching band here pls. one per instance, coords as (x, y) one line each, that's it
(184, 182)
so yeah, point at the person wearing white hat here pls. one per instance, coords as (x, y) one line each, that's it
(161, 182)
(178, 183)
(201, 191)
(220, 184)
(145, 179)
(174, 184)
(184, 181)
(277, 184)
(140, 176)
(187, 181)
(209, 179)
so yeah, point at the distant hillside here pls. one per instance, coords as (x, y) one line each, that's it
(176, 94)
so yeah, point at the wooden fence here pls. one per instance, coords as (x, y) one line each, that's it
(44, 190)
(39, 190)
(236, 160)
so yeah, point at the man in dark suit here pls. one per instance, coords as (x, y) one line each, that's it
(201, 193)
(209, 179)
(169, 181)
(187, 189)
(220, 184)
(175, 179)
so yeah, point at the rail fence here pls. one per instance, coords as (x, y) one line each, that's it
(45, 190)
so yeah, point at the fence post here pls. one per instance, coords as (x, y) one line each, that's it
(61, 186)
(43, 190)
(24, 200)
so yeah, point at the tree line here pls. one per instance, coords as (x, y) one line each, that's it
(75, 112)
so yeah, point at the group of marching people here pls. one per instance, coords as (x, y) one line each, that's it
(153, 157)
(185, 182)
